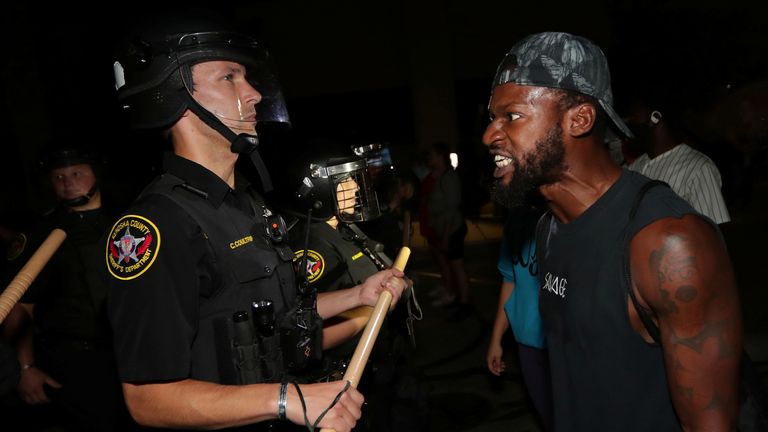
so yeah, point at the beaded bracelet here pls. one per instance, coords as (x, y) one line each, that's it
(281, 400)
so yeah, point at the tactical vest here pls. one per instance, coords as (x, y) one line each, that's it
(251, 267)
(70, 301)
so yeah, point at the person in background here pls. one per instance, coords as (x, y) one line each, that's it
(656, 124)
(339, 192)
(603, 266)
(397, 215)
(442, 223)
(518, 308)
(59, 326)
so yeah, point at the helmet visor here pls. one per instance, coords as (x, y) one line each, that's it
(353, 190)
(232, 77)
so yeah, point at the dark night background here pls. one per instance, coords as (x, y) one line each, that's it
(408, 73)
(403, 72)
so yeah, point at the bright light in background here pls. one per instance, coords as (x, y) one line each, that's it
(454, 160)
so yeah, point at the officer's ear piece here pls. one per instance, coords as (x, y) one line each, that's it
(655, 117)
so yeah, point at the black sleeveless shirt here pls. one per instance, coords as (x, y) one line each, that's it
(605, 377)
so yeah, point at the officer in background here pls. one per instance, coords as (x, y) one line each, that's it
(60, 327)
(338, 192)
(199, 250)
(326, 197)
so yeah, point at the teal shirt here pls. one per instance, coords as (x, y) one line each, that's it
(522, 306)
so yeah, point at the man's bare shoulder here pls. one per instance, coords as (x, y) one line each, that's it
(681, 263)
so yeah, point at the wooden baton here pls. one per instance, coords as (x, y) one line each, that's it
(371, 332)
(29, 272)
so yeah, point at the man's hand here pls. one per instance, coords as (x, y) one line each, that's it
(31, 384)
(391, 280)
(317, 397)
(494, 359)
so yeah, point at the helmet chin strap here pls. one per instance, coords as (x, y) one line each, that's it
(242, 144)
(82, 199)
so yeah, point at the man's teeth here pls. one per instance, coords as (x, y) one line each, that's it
(502, 161)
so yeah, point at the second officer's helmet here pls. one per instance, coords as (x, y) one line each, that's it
(64, 157)
(333, 186)
(153, 74)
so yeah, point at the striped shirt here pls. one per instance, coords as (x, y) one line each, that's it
(692, 175)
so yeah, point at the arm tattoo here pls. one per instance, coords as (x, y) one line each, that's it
(678, 271)
(715, 330)
(669, 269)
(686, 293)
(715, 404)
(684, 393)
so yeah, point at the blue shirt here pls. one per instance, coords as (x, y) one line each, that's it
(522, 306)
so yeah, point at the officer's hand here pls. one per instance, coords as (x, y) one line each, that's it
(31, 384)
(317, 397)
(391, 280)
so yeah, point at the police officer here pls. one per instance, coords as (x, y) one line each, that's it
(199, 246)
(329, 195)
(65, 351)
(339, 192)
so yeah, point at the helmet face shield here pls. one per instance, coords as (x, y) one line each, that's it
(153, 72)
(378, 160)
(347, 196)
(350, 187)
(231, 76)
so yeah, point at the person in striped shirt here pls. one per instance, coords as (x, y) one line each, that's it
(690, 173)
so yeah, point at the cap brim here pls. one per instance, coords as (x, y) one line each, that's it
(617, 121)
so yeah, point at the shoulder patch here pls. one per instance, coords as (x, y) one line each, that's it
(315, 263)
(16, 247)
(132, 246)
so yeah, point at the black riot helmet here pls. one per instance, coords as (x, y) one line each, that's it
(335, 186)
(70, 156)
(153, 78)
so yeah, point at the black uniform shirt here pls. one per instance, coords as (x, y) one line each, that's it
(163, 269)
(68, 293)
(334, 260)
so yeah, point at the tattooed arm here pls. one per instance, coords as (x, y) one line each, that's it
(682, 273)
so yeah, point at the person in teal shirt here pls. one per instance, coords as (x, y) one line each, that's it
(519, 309)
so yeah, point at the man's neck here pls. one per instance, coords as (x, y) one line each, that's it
(207, 149)
(662, 144)
(580, 187)
(92, 204)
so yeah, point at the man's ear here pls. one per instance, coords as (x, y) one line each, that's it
(580, 120)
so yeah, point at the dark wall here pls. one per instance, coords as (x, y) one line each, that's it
(352, 69)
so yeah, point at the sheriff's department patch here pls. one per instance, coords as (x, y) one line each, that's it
(16, 247)
(315, 264)
(132, 247)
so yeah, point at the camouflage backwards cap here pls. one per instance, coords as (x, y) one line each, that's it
(564, 61)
